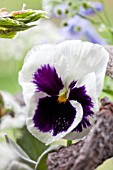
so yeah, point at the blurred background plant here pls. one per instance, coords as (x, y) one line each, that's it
(68, 19)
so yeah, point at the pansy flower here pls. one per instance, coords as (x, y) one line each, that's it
(61, 85)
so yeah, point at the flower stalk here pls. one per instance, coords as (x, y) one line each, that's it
(69, 142)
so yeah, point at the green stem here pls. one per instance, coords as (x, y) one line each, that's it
(111, 36)
(107, 19)
(105, 12)
(109, 91)
(99, 15)
(69, 142)
(87, 18)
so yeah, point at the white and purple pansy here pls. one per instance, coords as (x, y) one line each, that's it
(61, 85)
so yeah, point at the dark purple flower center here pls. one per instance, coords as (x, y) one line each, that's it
(55, 113)
(79, 94)
(47, 80)
(51, 116)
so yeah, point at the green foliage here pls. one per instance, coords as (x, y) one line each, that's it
(11, 23)
(1, 101)
(108, 88)
(32, 147)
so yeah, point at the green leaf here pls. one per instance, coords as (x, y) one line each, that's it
(7, 33)
(16, 21)
(11, 31)
(32, 146)
(18, 150)
(110, 92)
(22, 14)
(51, 148)
(108, 83)
(28, 16)
(10, 23)
(35, 149)
(108, 88)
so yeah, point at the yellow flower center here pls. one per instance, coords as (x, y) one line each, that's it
(62, 98)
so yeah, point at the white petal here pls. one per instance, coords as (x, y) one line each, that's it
(38, 56)
(47, 138)
(18, 166)
(90, 83)
(83, 58)
(91, 87)
(28, 90)
(79, 135)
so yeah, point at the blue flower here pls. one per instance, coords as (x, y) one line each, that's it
(78, 28)
(63, 7)
(61, 85)
(97, 5)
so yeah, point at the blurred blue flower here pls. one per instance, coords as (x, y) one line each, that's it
(97, 5)
(60, 10)
(78, 28)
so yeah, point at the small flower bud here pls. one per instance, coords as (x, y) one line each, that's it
(65, 24)
(66, 11)
(59, 12)
(77, 28)
(86, 5)
(70, 3)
